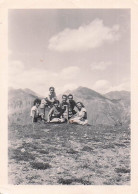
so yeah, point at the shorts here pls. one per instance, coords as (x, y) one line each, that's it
(36, 118)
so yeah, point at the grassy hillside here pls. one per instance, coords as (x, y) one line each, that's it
(68, 154)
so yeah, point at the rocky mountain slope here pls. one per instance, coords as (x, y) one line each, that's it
(124, 99)
(121, 96)
(102, 109)
(118, 95)
(19, 104)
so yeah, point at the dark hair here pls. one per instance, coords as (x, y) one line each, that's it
(70, 95)
(64, 95)
(80, 103)
(56, 102)
(37, 100)
(51, 88)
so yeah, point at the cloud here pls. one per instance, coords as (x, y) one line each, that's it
(34, 78)
(122, 86)
(104, 86)
(69, 72)
(16, 67)
(66, 87)
(70, 86)
(102, 65)
(39, 79)
(85, 37)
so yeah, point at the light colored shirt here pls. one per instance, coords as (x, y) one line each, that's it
(34, 111)
(82, 112)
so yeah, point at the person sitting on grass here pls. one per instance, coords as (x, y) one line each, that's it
(42, 109)
(34, 111)
(81, 116)
(55, 114)
(72, 105)
(64, 106)
(51, 97)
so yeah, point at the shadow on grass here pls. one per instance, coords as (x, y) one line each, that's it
(122, 170)
(40, 166)
(71, 151)
(71, 181)
(87, 149)
(18, 155)
(43, 151)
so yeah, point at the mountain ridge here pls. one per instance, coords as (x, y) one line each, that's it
(100, 109)
(117, 94)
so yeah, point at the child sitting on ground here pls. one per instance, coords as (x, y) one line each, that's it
(34, 111)
(42, 109)
(55, 114)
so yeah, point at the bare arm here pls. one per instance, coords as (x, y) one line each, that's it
(33, 115)
(50, 100)
(83, 115)
(50, 114)
(53, 98)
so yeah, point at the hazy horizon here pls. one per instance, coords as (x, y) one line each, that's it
(68, 48)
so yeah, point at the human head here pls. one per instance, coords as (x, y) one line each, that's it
(64, 98)
(56, 103)
(51, 89)
(70, 97)
(37, 102)
(80, 105)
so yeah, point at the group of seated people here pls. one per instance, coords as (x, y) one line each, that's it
(66, 111)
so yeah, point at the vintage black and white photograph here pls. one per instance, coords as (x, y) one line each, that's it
(69, 97)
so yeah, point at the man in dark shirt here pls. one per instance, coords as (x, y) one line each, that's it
(55, 113)
(72, 105)
(64, 106)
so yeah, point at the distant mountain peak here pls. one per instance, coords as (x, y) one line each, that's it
(101, 109)
(29, 91)
(26, 91)
(87, 92)
(118, 94)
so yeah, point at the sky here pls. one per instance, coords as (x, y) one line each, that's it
(68, 48)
